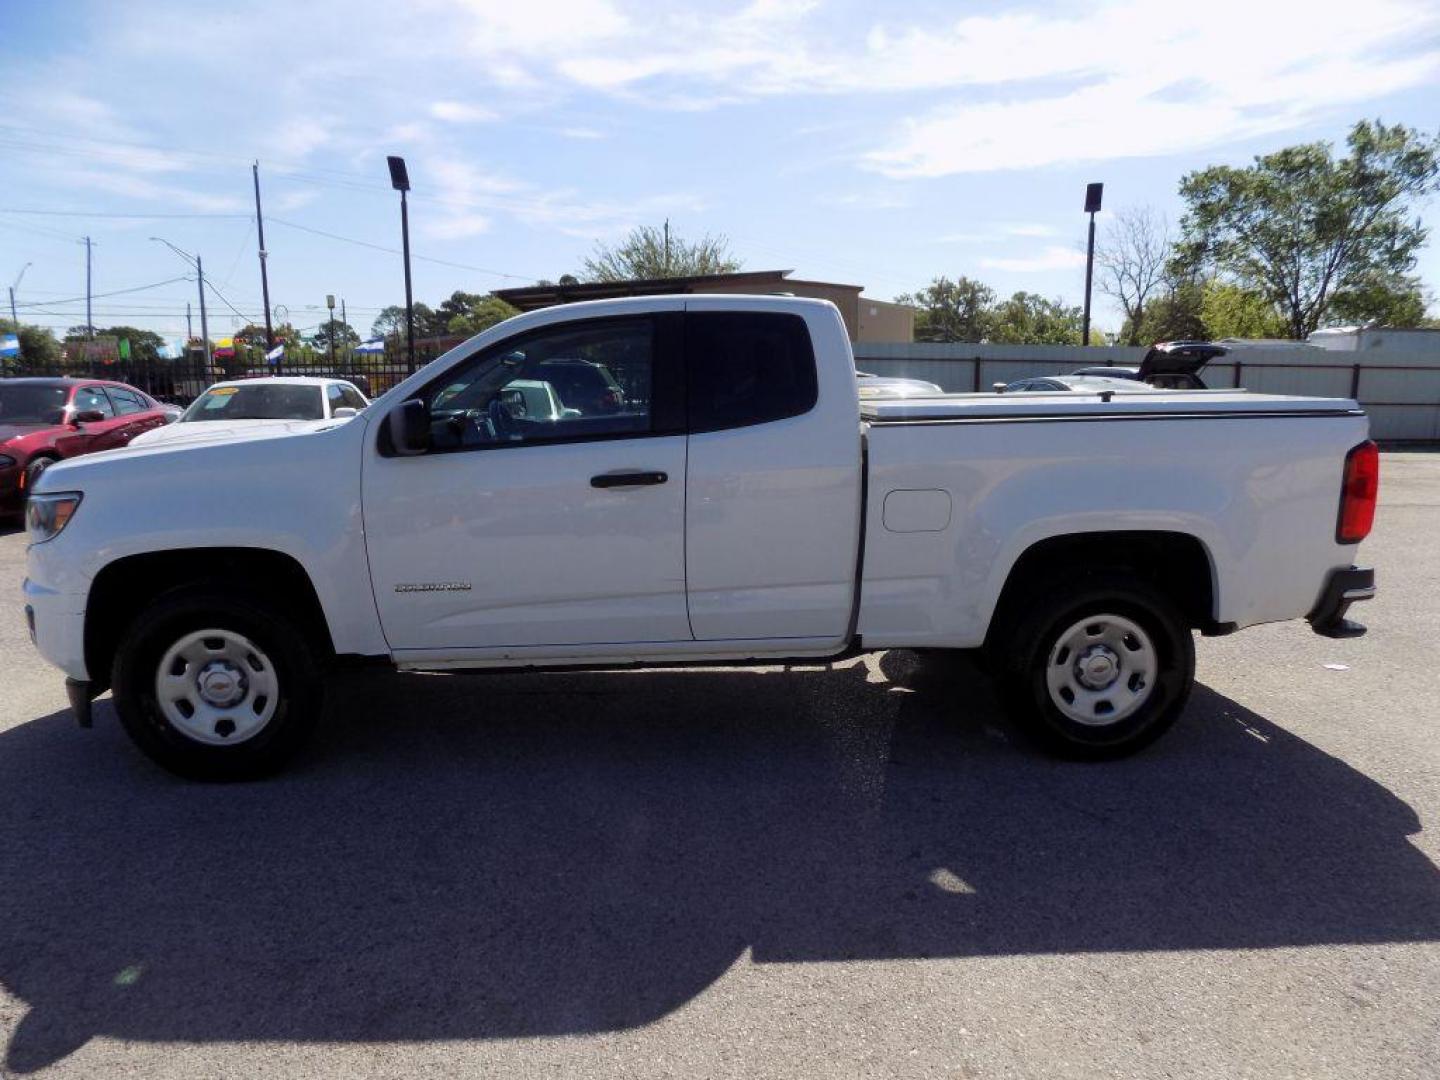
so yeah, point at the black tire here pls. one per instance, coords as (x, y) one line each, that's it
(282, 648)
(1022, 650)
(34, 469)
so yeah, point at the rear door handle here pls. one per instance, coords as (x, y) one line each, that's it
(628, 479)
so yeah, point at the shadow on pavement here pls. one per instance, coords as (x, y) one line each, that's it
(501, 856)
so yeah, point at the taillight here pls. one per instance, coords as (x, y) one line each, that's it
(1358, 494)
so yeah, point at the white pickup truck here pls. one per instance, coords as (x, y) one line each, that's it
(704, 487)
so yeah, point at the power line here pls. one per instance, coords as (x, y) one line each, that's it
(113, 214)
(396, 251)
(117, 292)
(232, 307)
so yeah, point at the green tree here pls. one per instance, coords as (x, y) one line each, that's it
(345, 336)
(39, 348)
(1380, 300)
(948, 310)
(1300, 225)
(1232, 311)
(469, 313)
(649, 253)
(1174, 315)
(481, 315)
(1030, 319)
(391, 320)
(144, 344)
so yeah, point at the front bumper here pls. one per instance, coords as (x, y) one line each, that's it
(1342, 588)
(57, 626)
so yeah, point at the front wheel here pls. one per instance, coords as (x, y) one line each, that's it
(1098, 668)
(215, 686)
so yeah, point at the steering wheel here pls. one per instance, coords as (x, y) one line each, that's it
(501, 422)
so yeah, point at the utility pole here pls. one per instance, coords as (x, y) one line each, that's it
(189, 326)
(1093, 193)
(345, 322)
(264, 277)
(14, 318)
(200, 278)
(204, 325)
(667, 247)
(89, 320)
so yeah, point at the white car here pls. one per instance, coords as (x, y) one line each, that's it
(731, 501)
(884, 386)
(247, 406)
(1091, 384)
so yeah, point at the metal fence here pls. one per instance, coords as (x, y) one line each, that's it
(180, 381)
(1400, 390)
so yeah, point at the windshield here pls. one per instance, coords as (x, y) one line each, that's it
(257, 403)
(32, 404)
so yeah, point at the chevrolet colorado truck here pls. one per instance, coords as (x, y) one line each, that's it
(705, 487)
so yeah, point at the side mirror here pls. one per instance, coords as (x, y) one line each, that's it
(344, 412)
(409, 427)
(87, 416)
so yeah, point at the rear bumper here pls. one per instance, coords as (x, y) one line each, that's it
(1342, 588)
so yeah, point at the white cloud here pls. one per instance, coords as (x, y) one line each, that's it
(997, 233)
(1124, 78)
(1137, 89)
(1052, 258)
(458, 112)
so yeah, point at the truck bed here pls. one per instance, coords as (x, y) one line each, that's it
(961, 485)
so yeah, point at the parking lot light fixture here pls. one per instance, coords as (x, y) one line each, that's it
(1093, 195)
(400, 181)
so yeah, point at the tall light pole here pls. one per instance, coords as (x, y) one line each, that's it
(264, 277)
(400, 181)
(13, 317)
(330, 303)
(199, 276)
(1093, 193)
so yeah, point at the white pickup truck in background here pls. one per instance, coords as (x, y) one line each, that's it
(703, 486)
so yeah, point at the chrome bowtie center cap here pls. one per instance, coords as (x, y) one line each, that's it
(221, 684)
(1097, 667)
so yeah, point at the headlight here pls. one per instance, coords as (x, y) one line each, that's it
(6, 461)
(47, 515)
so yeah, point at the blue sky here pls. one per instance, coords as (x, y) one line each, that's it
(877, 144)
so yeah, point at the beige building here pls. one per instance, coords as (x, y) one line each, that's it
(866, 319)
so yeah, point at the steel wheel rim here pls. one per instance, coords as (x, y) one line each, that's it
(217, 687)
(1101, 669)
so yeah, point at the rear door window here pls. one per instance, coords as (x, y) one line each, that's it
(126, 401)
(747, 368)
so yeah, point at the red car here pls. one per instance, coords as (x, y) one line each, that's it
(45, 420)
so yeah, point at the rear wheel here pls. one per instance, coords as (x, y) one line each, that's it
(213, 685)
(1096, 668)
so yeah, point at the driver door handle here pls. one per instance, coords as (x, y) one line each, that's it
(628, 479)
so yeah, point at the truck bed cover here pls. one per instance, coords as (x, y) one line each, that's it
(1075, 405)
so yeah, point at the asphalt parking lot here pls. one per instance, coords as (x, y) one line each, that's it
(825, 872)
